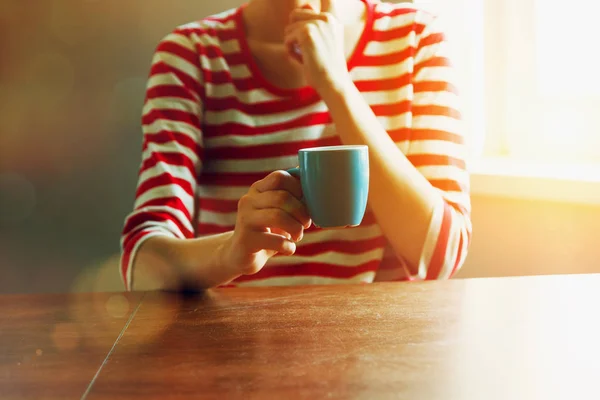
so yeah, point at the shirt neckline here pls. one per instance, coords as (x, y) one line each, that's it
(304, 92)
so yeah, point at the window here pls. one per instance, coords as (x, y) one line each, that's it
(529, 77)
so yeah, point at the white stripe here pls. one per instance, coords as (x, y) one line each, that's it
(184, 128)
(437, 147)
(257, 165)
(335, 258)
(382, 72)
(284, 136)
(386, 23)
(239, 117)
(219, 64)
(180, 40)
(396, 122)
(438, 122)
(392, 46)
(175, 170)
(365, 277)
(154, 231)
(444, 172)
(216, 218)
(178, 64)
(221, 192)
(431, 240)
(389, 96)
(168, 226)
(438, 74)
(439, 49)
(451, 248)
(170, 147)
(178, 214)
(167, 191)
(224, 90)
(171, 103)
(460, 198)
(443, 99)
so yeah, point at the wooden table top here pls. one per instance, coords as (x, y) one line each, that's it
(511, 338)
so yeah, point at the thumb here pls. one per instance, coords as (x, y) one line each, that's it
(328, 6)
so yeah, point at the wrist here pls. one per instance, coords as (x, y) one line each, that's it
(336, 89)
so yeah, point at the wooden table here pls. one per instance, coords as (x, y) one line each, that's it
(517, 338)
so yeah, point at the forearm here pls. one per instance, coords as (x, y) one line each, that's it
(166, 263)
(401, 198)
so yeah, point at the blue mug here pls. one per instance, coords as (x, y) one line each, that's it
(335, 184)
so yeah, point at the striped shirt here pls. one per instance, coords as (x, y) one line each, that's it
(213, 125)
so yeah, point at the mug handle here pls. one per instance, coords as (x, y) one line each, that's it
(294, 172)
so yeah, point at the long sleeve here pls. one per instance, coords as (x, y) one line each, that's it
(438, 151)
(171, 152)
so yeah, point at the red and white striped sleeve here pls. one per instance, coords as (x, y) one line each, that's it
(171, 153)
(438, 151)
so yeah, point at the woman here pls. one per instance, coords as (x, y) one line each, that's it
(233, 97)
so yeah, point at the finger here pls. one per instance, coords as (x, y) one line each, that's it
(279, 180)
(285, 201)
(278, 231)
(306, 15)
(276, 218)
(329, 6)
(273, 242)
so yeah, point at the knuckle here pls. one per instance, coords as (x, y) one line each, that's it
(281, 198)
(244, 200)
(277, 177)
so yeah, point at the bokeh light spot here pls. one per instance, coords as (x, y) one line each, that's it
(17, 198)
(66, 336)
(117, 306)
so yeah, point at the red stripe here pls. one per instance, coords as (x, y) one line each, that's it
(377, 85)
(458, 256)
(447, 185)
(432, 62)
(128, 246)
(189, 82)
(312, 269)
(439, 111)
(399, 32)
(392, 109)
(388, 59)
(341, 246)
(432, 134)
(256, 108)
(171, 115)
(176, 49)
(434, 38)
(439, 254)
(434, 86)
(170, 159)
(165, 136)
(171, 202)
(218, 205)
(395, 12)
(233, 128)
(268, 150)
(175, 91)
(425, 160)
(139, 218)
(163, 180)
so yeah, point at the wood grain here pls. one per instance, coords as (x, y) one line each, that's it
(51, 346)
(517, 338)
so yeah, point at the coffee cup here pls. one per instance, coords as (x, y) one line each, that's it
(335, 184)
